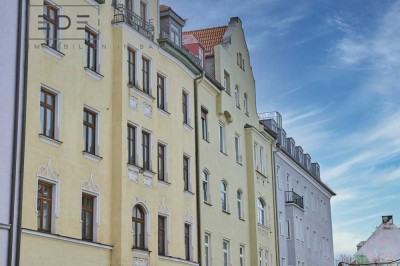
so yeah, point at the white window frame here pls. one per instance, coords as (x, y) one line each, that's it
(225, 194)
(227, 82)
(166, 168)
(222, 137)
(146, 221)
(167, 229)
(98, 51)
(57, 114)
(207, 247)
(238, 149)
(201, 56)
(98, 126)
(280, 223)
(226, 251)
(261, 213)
(242, 255)
(189, 120)
(189, 171)
(288, 230)
(166, 89)
(245, 103)
(206, 173)
(150, 147)
(90, 188)
(237, 96)
(240, 203)
(278, 176)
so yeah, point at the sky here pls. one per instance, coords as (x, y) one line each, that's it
(332, 69)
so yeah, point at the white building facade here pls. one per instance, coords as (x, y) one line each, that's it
(303, 203)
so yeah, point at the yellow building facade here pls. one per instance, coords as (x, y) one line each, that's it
(117, 153)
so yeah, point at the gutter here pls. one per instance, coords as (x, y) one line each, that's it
(197, 151)
(275, 203)
(23, 129)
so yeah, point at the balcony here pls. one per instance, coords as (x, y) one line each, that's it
(293, 197)
(123, 14)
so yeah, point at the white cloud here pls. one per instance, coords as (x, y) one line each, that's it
(346, 242)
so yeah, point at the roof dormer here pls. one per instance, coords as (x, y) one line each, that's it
(299, 154)
(307, 161)
(315, 170)
(292, 145)
(171, 25)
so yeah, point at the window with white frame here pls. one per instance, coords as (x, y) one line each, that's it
(221, 133)
(206, 189)
(245, 104)
(308, 237)
(175, 34)
(224, 196)
(255, 155)
(283, 262)
(201, 57)
(237, 97)
(139, 227)
(240, 203)
(238, 149)
(186, 107)
(266, 258)
(146, 150)
(204, 123)
(207, 249)
(92, 49)
(45, 207)
(91, 121)
(288, 232)
(87, 216)
(241, 255)
(288, 182)
(283, 139)
(227, 82)
(262, 160)
(188, 242)
(49, 113)
(161, 92)
(280, 223)
(186, 173)
(261, 211)
(260, 257)
(162, 235)
(278, 176)
(225, 248)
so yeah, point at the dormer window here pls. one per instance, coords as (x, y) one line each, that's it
(175, 34)
(201, 56)
(283, 139)
(300, 155)
(292, 147)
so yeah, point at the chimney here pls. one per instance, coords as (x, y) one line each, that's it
(388, 219)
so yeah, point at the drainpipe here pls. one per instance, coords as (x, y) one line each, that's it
(23, 120)
(276, 149)
(197, 152)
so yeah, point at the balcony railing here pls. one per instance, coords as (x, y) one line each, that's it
(293, 197)
(123, 14)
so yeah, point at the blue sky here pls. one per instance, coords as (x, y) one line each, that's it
(332, 69)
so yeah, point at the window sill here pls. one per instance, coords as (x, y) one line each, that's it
(141, 93)
(163, 112)
(208, 203)
(206, 140)
(93, 74)
(140, 251)
(187, 126)
(91, 157)
(226, 212)
(239, 163)
(51, 51)
(224, 153)
(181, 261)
(93, 3)
(189, 193)
(163, 183)
(242, 219)
(50, 141)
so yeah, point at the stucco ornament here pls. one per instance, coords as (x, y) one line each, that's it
(147, 110)
(140, 262)
(163, 206)
(141, 201)
(147, 180)
(47, 171)
(188, 216)
(133, 103)
(133, 175)
(90, 185)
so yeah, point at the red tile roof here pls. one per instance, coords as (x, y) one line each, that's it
(209, 37)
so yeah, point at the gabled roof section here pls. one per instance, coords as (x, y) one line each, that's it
(209, 37)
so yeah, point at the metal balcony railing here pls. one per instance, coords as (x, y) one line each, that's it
(123, 14)
(293, 197)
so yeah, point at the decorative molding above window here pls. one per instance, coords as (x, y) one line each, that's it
(90, 186)
(189, 216)
(133, 173)
(163, 206)
(147, 110)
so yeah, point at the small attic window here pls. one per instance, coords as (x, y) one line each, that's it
(201, 56)
(175, 34)
(292, 147)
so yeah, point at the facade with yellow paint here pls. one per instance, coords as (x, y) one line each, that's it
(139, 151)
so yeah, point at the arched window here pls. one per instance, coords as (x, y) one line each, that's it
(138, 227)
(237, 96)
(224, 196)
(246, 108)
(206, 192)
(261, 211)
(240, 204)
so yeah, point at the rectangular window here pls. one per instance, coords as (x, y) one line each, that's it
(91, 48)
(44, 206)
(222, 146)
(131, 145)
(288, 235)
(175, 34)
(50, 18)
(161, 92)
(283, 262)
(261, 160)
(278, 176)
(201, 57)
(237, 149)
(162, 235)
(227, 82)
(207, 249)
(132, 66)
(47, 113)
(204, 123)
(161, 162)
(143, 11)
(87, 217)
(225, 247)
(186, 173)
(146, 75)
(185, 107)
(187, 242)
(280, 225)
(241, 256)
(266, 259)
(89, 130)
(256, 163)
(146, 150)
